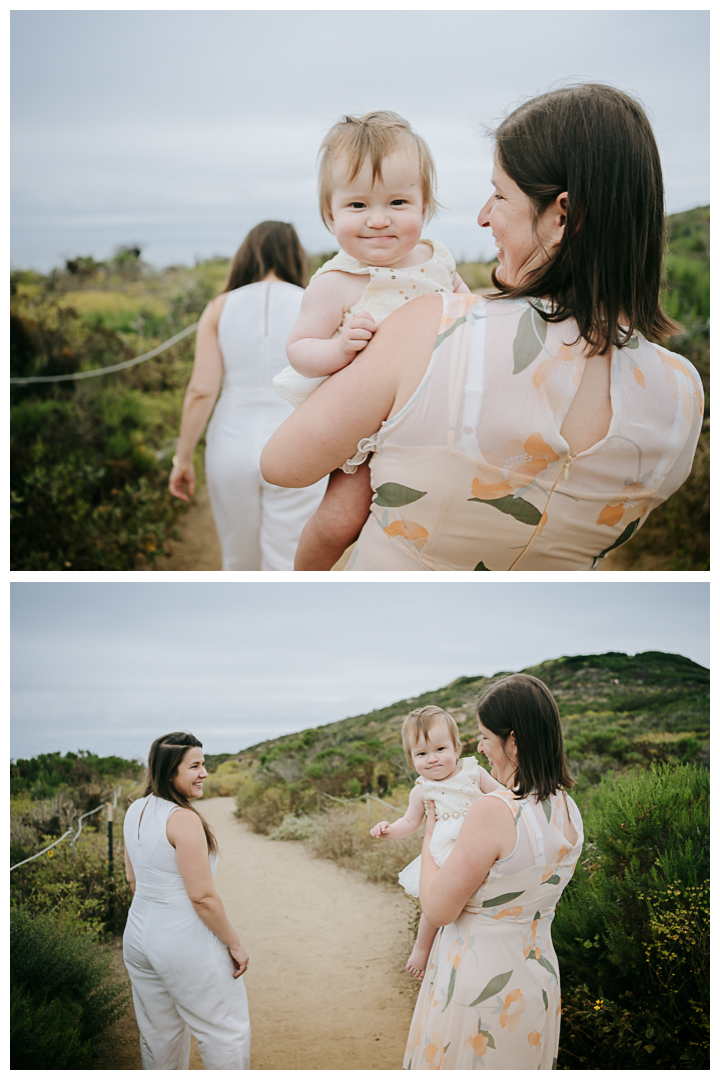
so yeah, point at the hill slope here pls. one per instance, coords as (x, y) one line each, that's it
(617, 711)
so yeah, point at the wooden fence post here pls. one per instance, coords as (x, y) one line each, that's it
(111, 878)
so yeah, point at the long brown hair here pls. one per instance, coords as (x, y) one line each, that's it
(166, 754)
(523, 706)
(596, 143)
(271, 245)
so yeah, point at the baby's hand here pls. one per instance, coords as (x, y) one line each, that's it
(355, 335)
(380, 829)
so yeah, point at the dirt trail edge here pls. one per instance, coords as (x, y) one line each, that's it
(326, 983)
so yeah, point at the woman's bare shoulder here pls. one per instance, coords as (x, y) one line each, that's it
(212, 312)
(183, 824)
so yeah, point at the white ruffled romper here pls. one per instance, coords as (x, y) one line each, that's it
(453, 798)
(181, 973)
(387, 290)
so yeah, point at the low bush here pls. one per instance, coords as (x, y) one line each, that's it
(76, 888)
(62, 998)
(295, 828)
(632, 929)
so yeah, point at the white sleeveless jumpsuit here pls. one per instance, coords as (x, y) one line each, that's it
(258, 524)
(181, 973)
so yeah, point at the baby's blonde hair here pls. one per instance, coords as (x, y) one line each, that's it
(374, 135)
(420, 723)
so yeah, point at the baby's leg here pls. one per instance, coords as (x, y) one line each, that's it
(337, 521)
(419, 956)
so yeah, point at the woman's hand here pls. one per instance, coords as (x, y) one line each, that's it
(182, 480)
(239, 958)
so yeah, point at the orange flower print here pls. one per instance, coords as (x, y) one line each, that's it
(408, 530)
(550, 870)
(512, 912)
(693, 398)
(519, 463)
(534, 1039)
(513, 1007)
(479, 1044)
(432, 1050)
(613, 512)
(639, 377)
(556, 370)
(531, 951)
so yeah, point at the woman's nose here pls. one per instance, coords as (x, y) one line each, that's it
(484, 215)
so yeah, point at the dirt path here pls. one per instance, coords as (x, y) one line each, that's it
(326, 982)
(199, 548)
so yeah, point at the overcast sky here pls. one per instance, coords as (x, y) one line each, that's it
(180, 130)
(108, 667)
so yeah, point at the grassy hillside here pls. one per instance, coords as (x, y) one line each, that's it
(90, 459)
(617, 711)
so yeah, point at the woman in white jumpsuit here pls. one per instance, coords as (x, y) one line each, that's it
(182, 955)
(241, 345)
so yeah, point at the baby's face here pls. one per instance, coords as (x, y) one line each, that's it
(379, 223)
(436, 757)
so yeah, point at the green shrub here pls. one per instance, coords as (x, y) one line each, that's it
(76, 890)
(295, 828)
(62, 998)
(632, 932)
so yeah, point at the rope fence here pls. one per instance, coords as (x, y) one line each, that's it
(107, 370)
(74, 835)
(363, 798)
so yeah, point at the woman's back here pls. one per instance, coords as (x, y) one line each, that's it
(473, 472)
(527, 884)
(253, 329)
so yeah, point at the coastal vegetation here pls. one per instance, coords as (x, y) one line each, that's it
(90, 457)
(631, 931)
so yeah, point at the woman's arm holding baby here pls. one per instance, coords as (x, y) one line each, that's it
(406, 825)
(311, 348)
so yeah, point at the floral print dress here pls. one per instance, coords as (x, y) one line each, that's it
(490, 998)
(473, 472)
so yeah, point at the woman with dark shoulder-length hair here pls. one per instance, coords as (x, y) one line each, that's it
(491, 994)
(535, 428)
(183, 957)
(241, 345)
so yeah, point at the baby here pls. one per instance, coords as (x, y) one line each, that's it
(431, 742)
(376, 181)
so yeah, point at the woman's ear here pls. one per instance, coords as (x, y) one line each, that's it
(556, 218)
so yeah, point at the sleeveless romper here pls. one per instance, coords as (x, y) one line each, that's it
(181, 973)
(387, 290)
(490, 998)
(258, 524)
(473, 473)
(453, 798)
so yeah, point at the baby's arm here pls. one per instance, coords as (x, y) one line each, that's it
(311, 348)
(406, 825)
(459, 285)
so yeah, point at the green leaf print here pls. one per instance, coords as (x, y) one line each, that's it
(547, 808)
(554, 880)
(545, 1000)
(548, 966)
(517, 508)
(493, 987)
(451, 989)
(623, 538)
(633, 343)
(397, 495)
(487, 1034)
(451, 330)
(529, 340)
(482, 566)
(496, 901)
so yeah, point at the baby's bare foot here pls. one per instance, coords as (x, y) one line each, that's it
(417, 962)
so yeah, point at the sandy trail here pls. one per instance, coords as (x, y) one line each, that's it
(326, 983)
